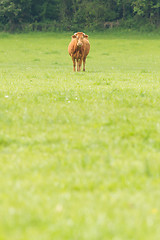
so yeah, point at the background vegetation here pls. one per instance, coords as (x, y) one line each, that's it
(77, 14)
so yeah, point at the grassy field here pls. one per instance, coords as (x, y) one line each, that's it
(79, 152)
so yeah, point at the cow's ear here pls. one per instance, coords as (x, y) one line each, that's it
(73, 36)
(86, 36)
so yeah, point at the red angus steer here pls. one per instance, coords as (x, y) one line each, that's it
(78, 49)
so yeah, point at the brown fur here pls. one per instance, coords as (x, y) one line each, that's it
(78, 49)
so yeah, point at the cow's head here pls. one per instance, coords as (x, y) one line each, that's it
(79, 36)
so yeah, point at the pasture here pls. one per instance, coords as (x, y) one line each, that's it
(79, 152)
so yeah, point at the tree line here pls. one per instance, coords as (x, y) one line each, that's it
(78, 14)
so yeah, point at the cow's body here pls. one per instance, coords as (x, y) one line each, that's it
(78, 49)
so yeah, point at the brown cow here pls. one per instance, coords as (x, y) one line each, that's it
(78, 49)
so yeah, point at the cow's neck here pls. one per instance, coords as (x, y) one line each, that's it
(79, 49)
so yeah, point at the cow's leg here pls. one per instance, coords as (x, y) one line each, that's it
(74, 63)
(77, 65)
(80, 64)
(84, 62)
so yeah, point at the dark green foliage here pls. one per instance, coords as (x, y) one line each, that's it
(78, 14)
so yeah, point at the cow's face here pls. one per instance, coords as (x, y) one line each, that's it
(80, 36)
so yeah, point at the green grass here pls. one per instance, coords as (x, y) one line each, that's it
(80, 152)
